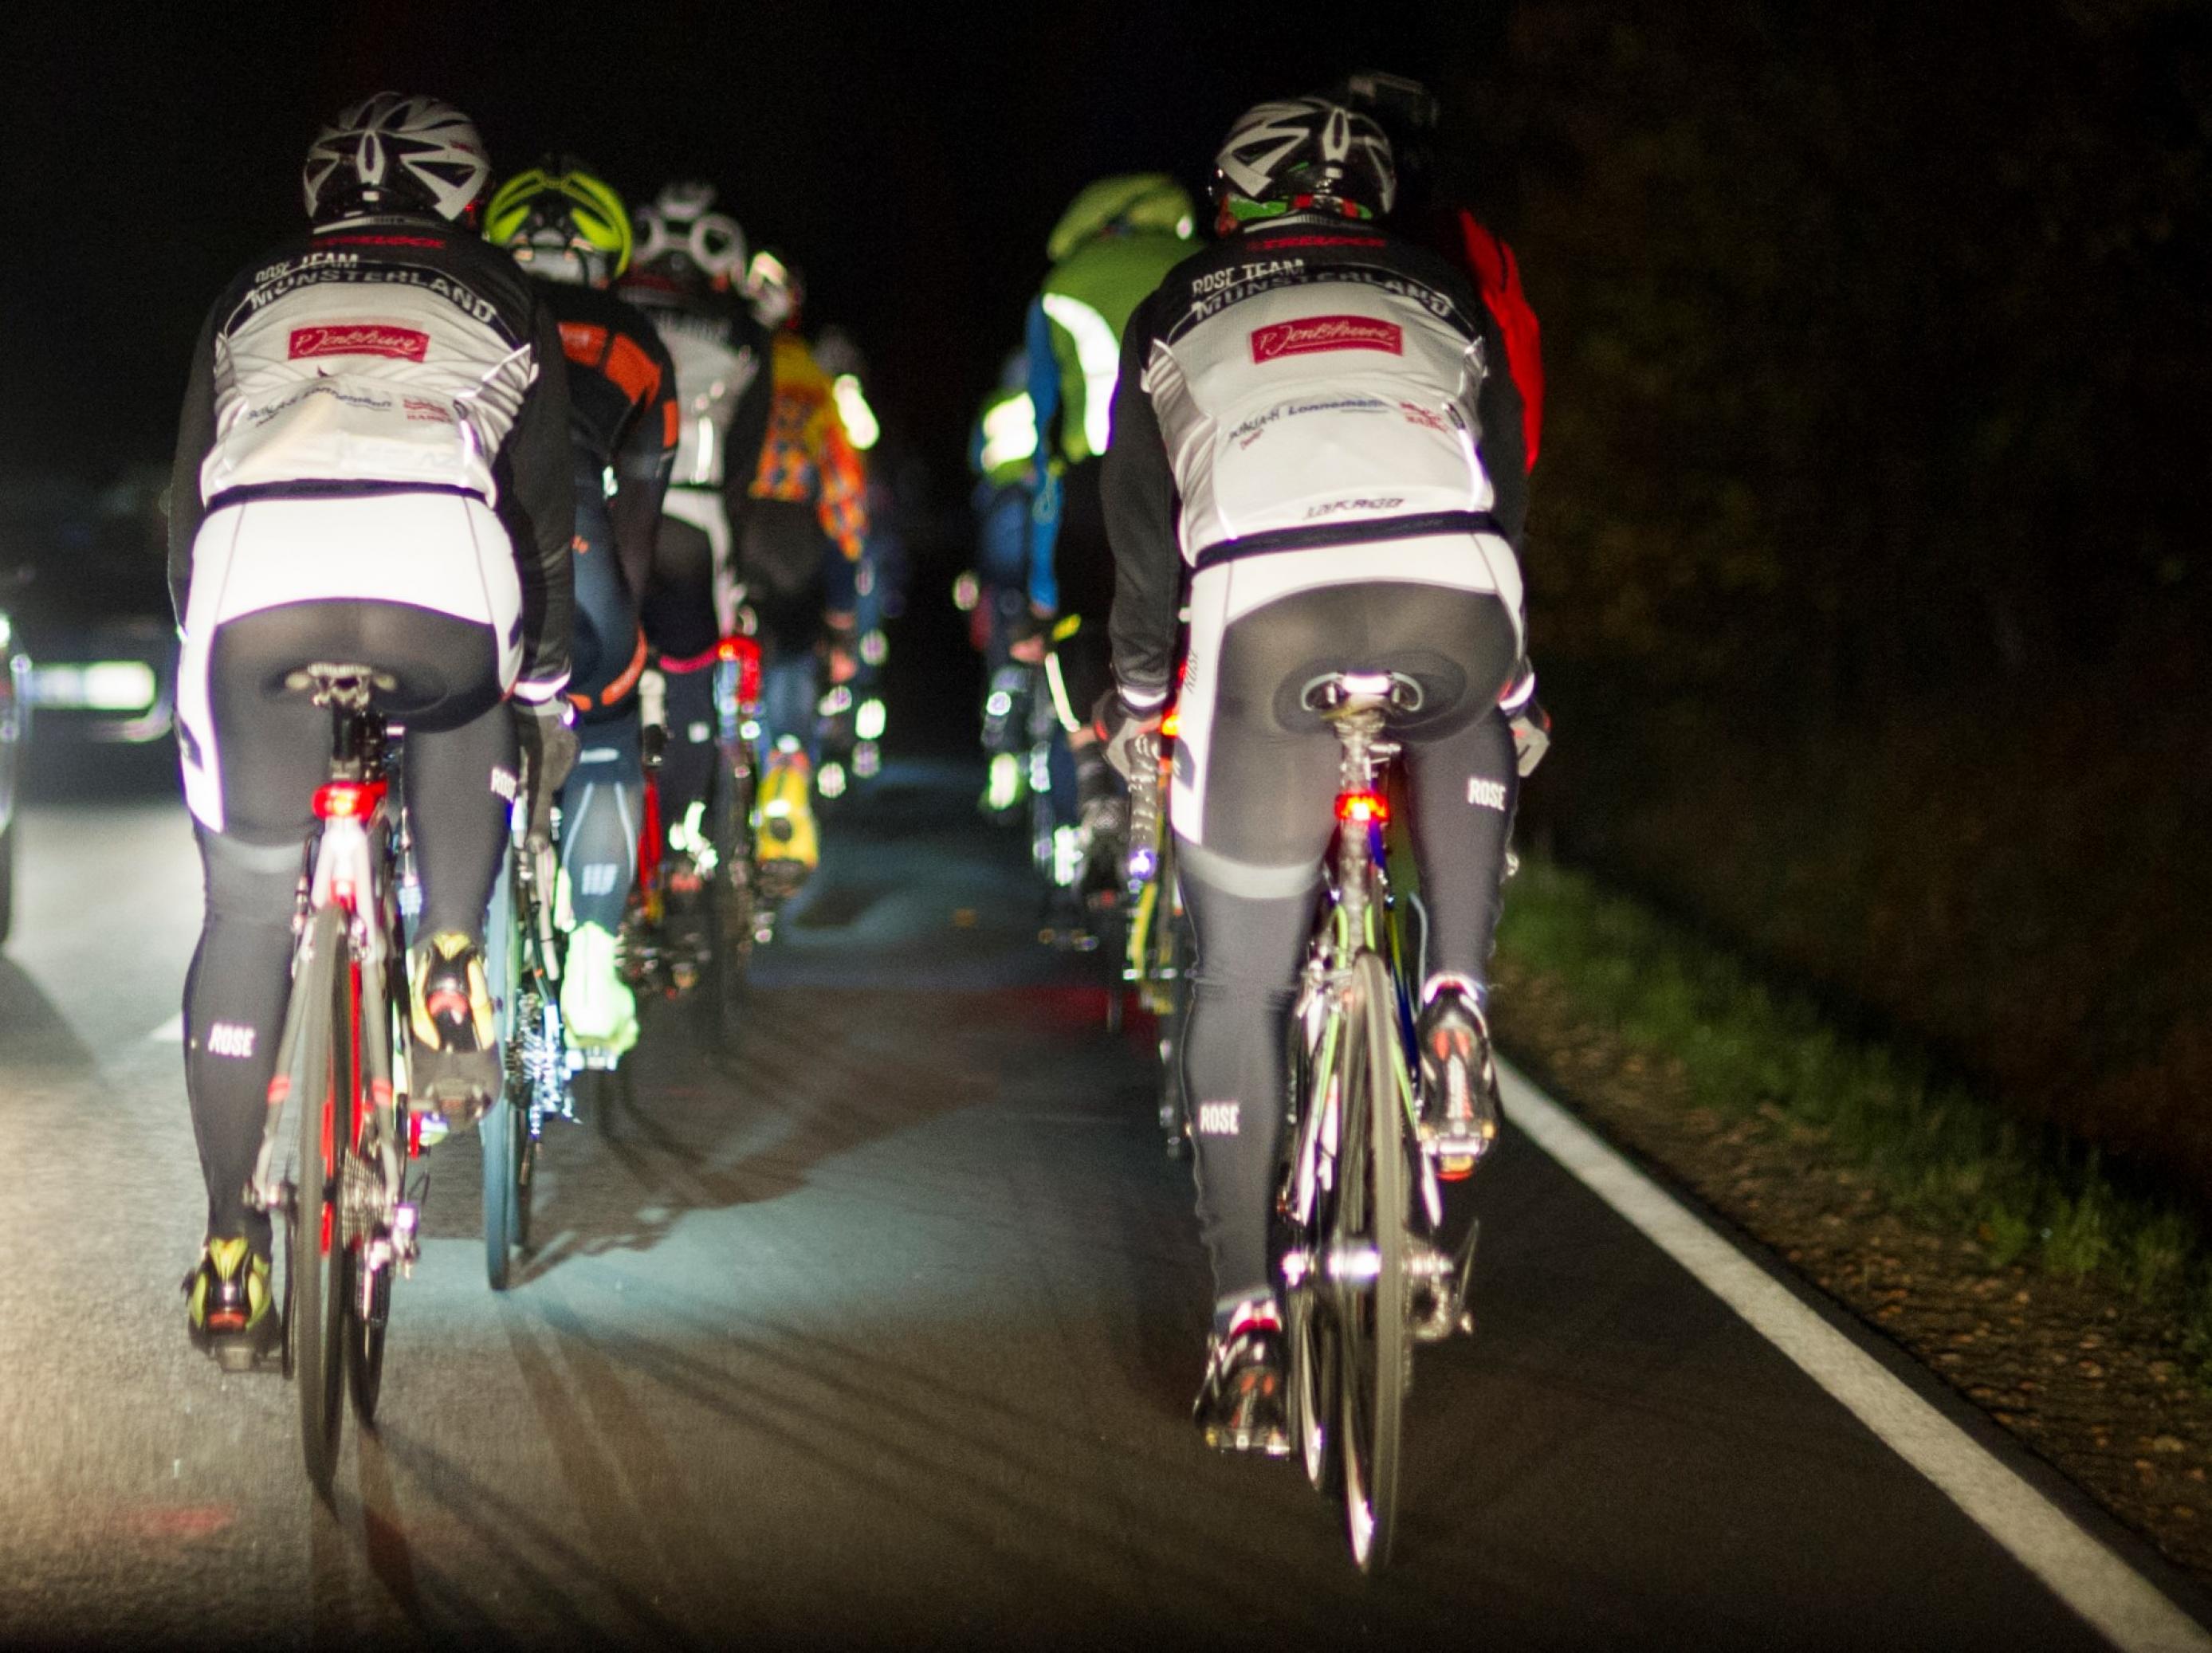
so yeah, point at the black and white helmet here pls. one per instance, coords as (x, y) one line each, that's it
(1307, 147)
(679, 236)
(390, 152)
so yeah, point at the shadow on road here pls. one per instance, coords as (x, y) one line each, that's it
(34, 1033)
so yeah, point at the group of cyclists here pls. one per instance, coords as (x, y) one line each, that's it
(525, 453)
(514, 445)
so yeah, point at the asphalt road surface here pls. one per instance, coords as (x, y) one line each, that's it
(886, 1333)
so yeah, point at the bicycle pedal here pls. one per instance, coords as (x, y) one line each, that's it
(242, 1357)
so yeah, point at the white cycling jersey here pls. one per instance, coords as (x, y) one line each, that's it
(333, 369)
(1330, 401)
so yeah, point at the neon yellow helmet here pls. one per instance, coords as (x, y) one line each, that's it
(564, 221)
(1135, 201)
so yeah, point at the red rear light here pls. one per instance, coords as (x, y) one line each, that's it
(346, 800)
(1363, 808)
(1171, 722)
(745, 653)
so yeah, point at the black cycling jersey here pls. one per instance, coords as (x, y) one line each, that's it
(622, 411)
(442, 372)
(1316, 377)
(723, 384)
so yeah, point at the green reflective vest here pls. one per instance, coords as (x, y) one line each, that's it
(1088, 300)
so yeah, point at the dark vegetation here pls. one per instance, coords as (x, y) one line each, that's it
(1869, 564)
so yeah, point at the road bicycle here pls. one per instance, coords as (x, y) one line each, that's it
(692, 923)
(340, 1082)
(730, 917)
(1359, 1204)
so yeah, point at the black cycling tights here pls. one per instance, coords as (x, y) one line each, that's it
(274, 750)
(600, 805)
(680, 623)
(1272, 777)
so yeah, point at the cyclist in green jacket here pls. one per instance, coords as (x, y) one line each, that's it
(1116, 240)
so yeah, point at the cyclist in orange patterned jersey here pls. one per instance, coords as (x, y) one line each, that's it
(798, 555)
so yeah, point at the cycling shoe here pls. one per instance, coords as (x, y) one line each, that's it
(229, 1313)
(1459, 1080)
(454, 1067)
(1242, 1405)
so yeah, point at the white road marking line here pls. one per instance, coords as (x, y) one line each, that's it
(170, 1032)
(2119, 1602)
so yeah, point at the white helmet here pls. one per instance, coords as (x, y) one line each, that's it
(1307, 147)
(677, 236)
(394, 153)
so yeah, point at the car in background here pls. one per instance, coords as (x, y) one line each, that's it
(15, 728)
(93, 611)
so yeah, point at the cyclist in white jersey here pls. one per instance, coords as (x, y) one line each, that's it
(373, 469)
(1307, 429)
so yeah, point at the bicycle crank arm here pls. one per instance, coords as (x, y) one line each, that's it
(1448, 1280)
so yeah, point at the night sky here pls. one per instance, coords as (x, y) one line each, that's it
(911, 160)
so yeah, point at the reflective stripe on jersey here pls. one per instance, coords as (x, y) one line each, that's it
(1100, 353)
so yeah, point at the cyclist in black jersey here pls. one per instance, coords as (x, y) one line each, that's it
(1311, 417)
(372, 468)
(571, 231)
(687, 274)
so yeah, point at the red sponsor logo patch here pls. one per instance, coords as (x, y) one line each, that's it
(1313, 333)
(361, 338)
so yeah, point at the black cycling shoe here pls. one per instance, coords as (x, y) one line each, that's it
(454, 1068)
(230, 1313)
(1459, 1081)
(1241, 1406)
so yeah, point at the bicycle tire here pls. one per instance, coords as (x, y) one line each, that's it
(1374, 1349)
(730, 913)
(525, 1176)
(317, 1361)
(496, 1131)
(363, 1333)
(597, 1094)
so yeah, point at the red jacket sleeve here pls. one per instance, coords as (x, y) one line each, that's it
(1498, 278)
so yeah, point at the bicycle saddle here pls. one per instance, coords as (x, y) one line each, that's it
(349, 686)
(1338, 694)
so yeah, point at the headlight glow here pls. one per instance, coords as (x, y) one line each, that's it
(97, 686)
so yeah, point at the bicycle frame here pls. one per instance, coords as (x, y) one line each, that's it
(358, 819)
(1357, 921)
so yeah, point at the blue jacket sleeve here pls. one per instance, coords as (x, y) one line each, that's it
(1044, 508)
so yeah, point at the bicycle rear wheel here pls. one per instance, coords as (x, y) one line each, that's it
(317, 1254)
(1375, 1349)
(363, 1310)
(526, 1173)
